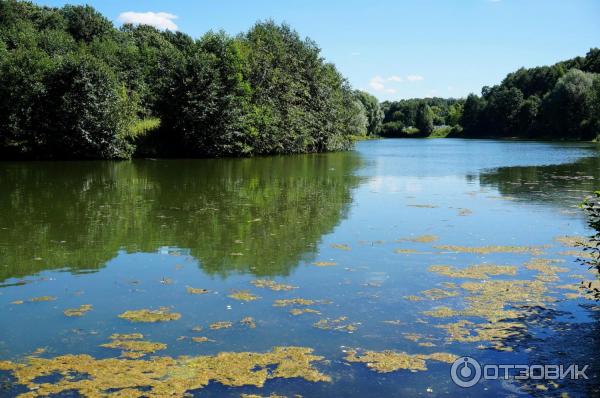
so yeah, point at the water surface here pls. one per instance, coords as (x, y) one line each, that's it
(345, 229)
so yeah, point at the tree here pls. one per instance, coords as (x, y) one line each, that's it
(373, 111)
(424, 119)
(568, 107)
(85, 23)
(83, 113)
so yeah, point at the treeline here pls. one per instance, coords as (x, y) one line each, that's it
(420, 117)
(74, 86)
(561, 101)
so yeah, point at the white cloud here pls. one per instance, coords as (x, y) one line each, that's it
(377, 83)
(395, 78)
(414, 78)
(160, 20)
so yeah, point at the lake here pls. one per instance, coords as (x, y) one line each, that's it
(365, 273)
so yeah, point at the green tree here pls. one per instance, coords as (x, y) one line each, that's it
(568, 107)
(85, 23)
(373, 111)
(424, 119)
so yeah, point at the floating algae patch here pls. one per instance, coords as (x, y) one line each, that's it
(496, 333)
(136, 346)
(126, 336)
(340, 247)
(220, 325)
(478, 271)
(300, 311)
(464, 212)
(438, 294)
(536, 250)
(17, 302)
(243, 295)
(324, 264)
(270, 284)
(413, 298)
(160, 315)
(80, 311)
(405, 251)
(424, 206)
(578, 254)
(163, 376)
(544, 266)
(201, 339)
(41, 299)
(494, 299)
(193, 290)
(294, 301)
(338, 324)
(249, 322)
(572, 241)
(391, 361)
(421, 239)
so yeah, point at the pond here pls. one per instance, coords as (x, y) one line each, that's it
(364, 273)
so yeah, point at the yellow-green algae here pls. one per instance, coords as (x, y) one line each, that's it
(162, 376)
(496, 333)
(220, 325)
(201, 339)
(294, 301)
(80, 311)
(145, 315)
(477, 271)
(338, 324)
(544, 266)
(405, 251)
(340, 246)
(438, 294)
(193, 290)
(248, 321)
(572, 241)
(137, 346)
(536, 250)
(300, 311)
(126, 336)
(243, 295)
(41, 299)
(421, 239)
(270, 284)
(324, 263)
(391, 361)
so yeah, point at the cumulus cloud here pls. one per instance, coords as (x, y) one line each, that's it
(395, 78)
(160, 20)
(414, 78)
(377, 83)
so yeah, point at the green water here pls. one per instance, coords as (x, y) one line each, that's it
(134, 235)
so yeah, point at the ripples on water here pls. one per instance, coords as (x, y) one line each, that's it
(354, 233)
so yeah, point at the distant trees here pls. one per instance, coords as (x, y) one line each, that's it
(424, 119)
(558, 101)
(419, 114)
(373, 111)
(73, 86)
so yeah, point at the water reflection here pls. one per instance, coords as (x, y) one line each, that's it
(559, 185)
(234, 215)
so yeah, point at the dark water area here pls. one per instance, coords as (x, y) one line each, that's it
(385, 243)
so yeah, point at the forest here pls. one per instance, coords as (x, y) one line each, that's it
(72, 85)
(561, 101)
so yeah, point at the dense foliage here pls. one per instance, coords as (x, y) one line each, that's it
(559, 101)
(592, 247)
(74, 86)
(419, 117)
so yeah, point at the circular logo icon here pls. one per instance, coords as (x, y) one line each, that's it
(465, 372)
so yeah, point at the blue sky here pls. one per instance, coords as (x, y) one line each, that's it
(398, 49)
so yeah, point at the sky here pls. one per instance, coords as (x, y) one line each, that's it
(396, 49)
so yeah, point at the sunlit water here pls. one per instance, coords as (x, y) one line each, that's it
(133, 235)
